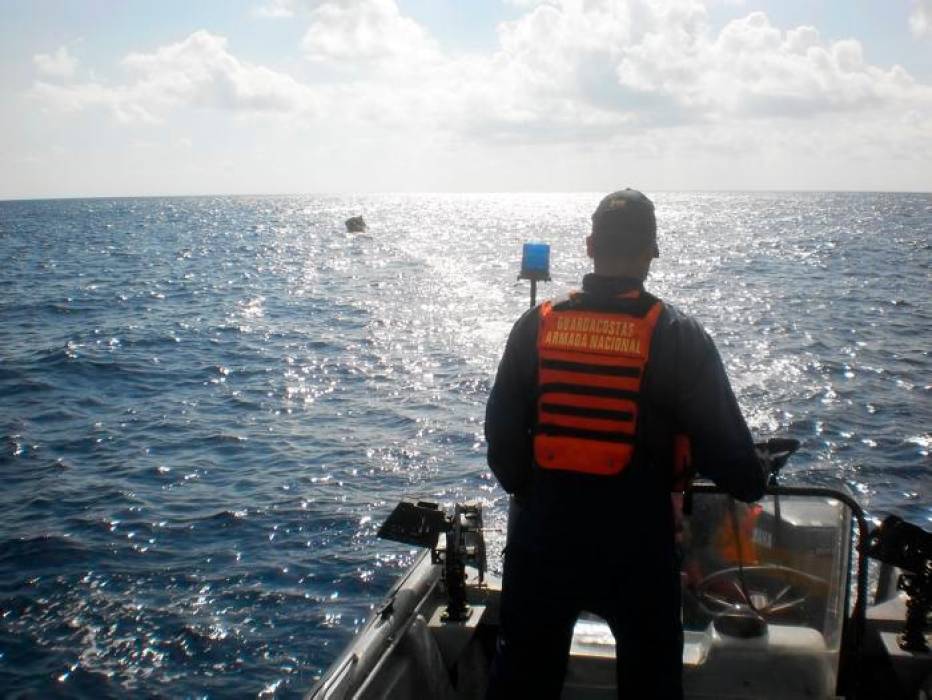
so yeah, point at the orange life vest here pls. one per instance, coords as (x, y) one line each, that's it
(735, 537)
(589, 382)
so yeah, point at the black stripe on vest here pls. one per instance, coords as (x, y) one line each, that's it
(585, 368)
(561, 388)
(583, 412)
(583, 434)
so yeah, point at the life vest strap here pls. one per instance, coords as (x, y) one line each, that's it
(584, 434)
(585, 389)
(587, 412)
(590, 368)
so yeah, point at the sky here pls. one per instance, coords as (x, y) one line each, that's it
(124, 98)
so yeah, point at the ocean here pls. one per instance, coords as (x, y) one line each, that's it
(208, 405)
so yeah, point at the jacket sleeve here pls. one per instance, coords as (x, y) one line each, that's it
(706, 407)
(510, 411)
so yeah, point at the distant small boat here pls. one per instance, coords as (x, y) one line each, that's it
(356, 224)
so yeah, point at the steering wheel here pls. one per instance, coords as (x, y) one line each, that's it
(774, 591)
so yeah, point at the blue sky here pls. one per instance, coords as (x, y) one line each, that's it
(264, 96)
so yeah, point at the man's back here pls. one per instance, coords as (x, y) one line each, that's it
(685, 389)
(593, 527)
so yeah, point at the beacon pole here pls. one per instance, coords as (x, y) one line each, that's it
(535, 266)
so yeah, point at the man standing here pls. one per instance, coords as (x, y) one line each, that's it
(580, 425)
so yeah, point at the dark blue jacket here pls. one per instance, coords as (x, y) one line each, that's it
(685, 389)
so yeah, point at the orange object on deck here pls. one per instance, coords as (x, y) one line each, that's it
(735, 539)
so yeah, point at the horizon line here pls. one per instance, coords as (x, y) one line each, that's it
(449, 192)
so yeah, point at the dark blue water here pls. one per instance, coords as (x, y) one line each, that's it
(208, 405)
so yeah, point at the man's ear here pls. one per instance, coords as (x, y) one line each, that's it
(589, 246)
(647, 257)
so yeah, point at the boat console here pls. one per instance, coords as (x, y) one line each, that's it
(775, 605)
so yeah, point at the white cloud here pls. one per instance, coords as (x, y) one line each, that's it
(276, 9)
(662, 63)
(586, 72)
(366, 31)
(77, 97)
(638, 78)
(624, 74)
(196, 72)
(754, 68)
(59, 64)
(565, 70)
(202, 72)
(920, 19)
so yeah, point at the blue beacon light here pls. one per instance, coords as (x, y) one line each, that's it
(535, 266)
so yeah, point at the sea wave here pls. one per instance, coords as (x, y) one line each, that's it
(207, 405)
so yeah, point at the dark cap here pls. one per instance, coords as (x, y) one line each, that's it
(623, 225)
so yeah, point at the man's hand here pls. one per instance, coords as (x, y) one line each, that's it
(774, 453)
